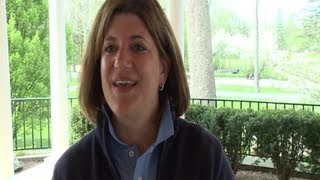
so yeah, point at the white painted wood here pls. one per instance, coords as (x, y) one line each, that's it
(6, 146)
(58, 78)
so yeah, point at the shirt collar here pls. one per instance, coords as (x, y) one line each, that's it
(166, 128)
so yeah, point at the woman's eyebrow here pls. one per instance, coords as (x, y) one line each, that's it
(110, 38)
(133, 37)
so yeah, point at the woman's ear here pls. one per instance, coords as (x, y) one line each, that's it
(165, 68)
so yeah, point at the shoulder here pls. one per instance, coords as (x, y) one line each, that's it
(193, 139)
(76, 157)
(202, 149)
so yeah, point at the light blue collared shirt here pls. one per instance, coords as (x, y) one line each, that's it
(126, 158)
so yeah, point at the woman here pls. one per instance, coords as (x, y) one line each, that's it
(134, 88)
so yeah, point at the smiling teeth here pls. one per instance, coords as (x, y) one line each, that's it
(124, 82)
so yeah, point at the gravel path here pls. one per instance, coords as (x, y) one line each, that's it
(253, 175)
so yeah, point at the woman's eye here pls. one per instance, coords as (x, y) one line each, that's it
(138, 48)
(110, 49)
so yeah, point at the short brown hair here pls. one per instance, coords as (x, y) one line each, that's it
(150, 12)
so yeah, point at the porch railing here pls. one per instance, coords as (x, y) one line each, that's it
(31, 117)
(255, 105)
(31, 122)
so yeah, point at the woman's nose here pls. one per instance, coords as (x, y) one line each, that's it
(123, 59)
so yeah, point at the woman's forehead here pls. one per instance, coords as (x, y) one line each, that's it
(126, 24)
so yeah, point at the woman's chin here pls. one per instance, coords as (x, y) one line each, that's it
(123, 111)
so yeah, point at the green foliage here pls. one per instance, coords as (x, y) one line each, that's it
(70, 47)
(288, 137)
(220, 53)
(29, 63)
(294, 38)
(311, 141)
(311, 26)
(229, 125)
(80, 126)
(279, 135)
(30, 16)
(222, 18)
(280, 31)
(200, 115)
(28, 35)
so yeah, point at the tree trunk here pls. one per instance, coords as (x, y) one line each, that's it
(202, 83)
(256, 64)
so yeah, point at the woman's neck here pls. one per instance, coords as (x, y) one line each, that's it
(136, 131)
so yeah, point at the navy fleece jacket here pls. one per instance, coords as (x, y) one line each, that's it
(191, 153)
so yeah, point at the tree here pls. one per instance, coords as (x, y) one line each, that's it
(256, 64)
(309, 41)
(72, 54)
(29, 48)
(80, 16)
(223, 18)
(202, 83)
(294, 37)
(311, 26)
(280, 31)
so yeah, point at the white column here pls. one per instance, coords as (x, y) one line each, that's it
(176, 18)
(6, 144)
(58, 78)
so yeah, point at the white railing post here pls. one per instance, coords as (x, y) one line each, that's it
(6, 144)
(58, 78)
(176, 18)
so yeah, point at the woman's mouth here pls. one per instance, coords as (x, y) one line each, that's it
(124, 85)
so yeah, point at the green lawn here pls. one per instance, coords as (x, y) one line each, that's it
(251, 89)
(264, 106)
(21, 143)
(73, 87)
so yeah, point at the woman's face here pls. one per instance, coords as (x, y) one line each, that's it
(131, 69)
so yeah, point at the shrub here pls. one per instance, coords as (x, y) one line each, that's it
(230, 126)
(80, 126)
(279, 135)
(199, 114)
(311, 141)
(290, 138)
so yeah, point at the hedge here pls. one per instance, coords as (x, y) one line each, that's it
(290, 138)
